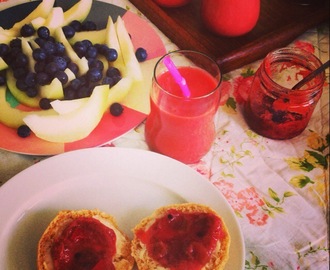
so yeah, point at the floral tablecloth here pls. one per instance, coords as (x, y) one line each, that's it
(279, 190)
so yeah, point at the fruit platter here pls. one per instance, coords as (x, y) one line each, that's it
(73, 74)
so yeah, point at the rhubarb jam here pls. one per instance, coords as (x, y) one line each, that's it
(182, 240)
(85, 244)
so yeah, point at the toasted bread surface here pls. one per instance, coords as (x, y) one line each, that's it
(220, 254)
(122, 259)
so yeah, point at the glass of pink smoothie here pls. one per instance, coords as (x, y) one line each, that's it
(178, 126)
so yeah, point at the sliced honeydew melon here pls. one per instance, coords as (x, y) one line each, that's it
(74, 125)
(12, 117)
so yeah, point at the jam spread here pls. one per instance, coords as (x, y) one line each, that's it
(182, 240)
(86, 244)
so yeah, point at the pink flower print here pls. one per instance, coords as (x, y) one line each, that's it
(251, 198)
(230, 195)
(257, 217)
(304, 46)
(223, 185)
(242, 86)
(236, 203)
(225, 89)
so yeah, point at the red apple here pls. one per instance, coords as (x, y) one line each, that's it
(230, 17)
(172, 3)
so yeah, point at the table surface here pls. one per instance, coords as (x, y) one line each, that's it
(279, 190)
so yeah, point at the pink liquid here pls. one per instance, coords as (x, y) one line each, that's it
(183, 128)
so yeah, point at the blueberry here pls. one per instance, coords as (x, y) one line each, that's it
(61, 76)
(111, 55)
(43, 32)
(21, 85)
(27, 30)
(2, 77)
(91, 52)
(39, 54)
(21, 60)
(88, 26)
(116, 109)
(60, 48)
(73, 67)
(51, 68)
(23, 131)
(30, 79)
(42, 78)
(39, 66)
(75, 84)
(68, 31)
(44, 104)
(4, 49)
(80, 48)
(113, 72)
(95, 63)
(141, 54)
(32, 92)
(49, 47)
(76, 25)
(15, 43)
(94, 74)
(20, 73)
(60, 62)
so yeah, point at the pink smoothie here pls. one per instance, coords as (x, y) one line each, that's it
(183, 128)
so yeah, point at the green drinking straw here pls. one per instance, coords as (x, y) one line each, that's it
(177, 76)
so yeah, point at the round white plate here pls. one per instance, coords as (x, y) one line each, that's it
(126, 183)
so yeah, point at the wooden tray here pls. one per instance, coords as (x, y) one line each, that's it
(280, 22)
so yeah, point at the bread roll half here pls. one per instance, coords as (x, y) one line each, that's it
(72, 230)
(181, 236)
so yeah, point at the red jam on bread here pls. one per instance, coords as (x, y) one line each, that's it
(181, 240)
(85, 244)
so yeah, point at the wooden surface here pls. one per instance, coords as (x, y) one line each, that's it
(280, 22)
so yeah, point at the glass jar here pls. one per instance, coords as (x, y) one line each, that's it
(273, 109)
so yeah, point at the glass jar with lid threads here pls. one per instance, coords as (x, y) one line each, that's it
(273, 108)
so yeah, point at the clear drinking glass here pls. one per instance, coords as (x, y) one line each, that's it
(180, 127)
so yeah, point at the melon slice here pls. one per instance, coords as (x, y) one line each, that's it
(42, 10)
(12, 117)
(81, 62)
(55, 19)
(18, 94)
(74, 125)
(96, 36)
(111, 41)
(67, 106)
(78, 12)
(3, 64)
(54, 90)
(132, 66)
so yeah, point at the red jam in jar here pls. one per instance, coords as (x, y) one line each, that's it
(273, 109)
(85, 244)
(182, 240)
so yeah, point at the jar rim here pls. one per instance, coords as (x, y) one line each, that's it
(299, 56)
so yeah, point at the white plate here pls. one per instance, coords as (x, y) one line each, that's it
(126, 183)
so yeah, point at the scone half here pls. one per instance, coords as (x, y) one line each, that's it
(89, 237)
(181, 236)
